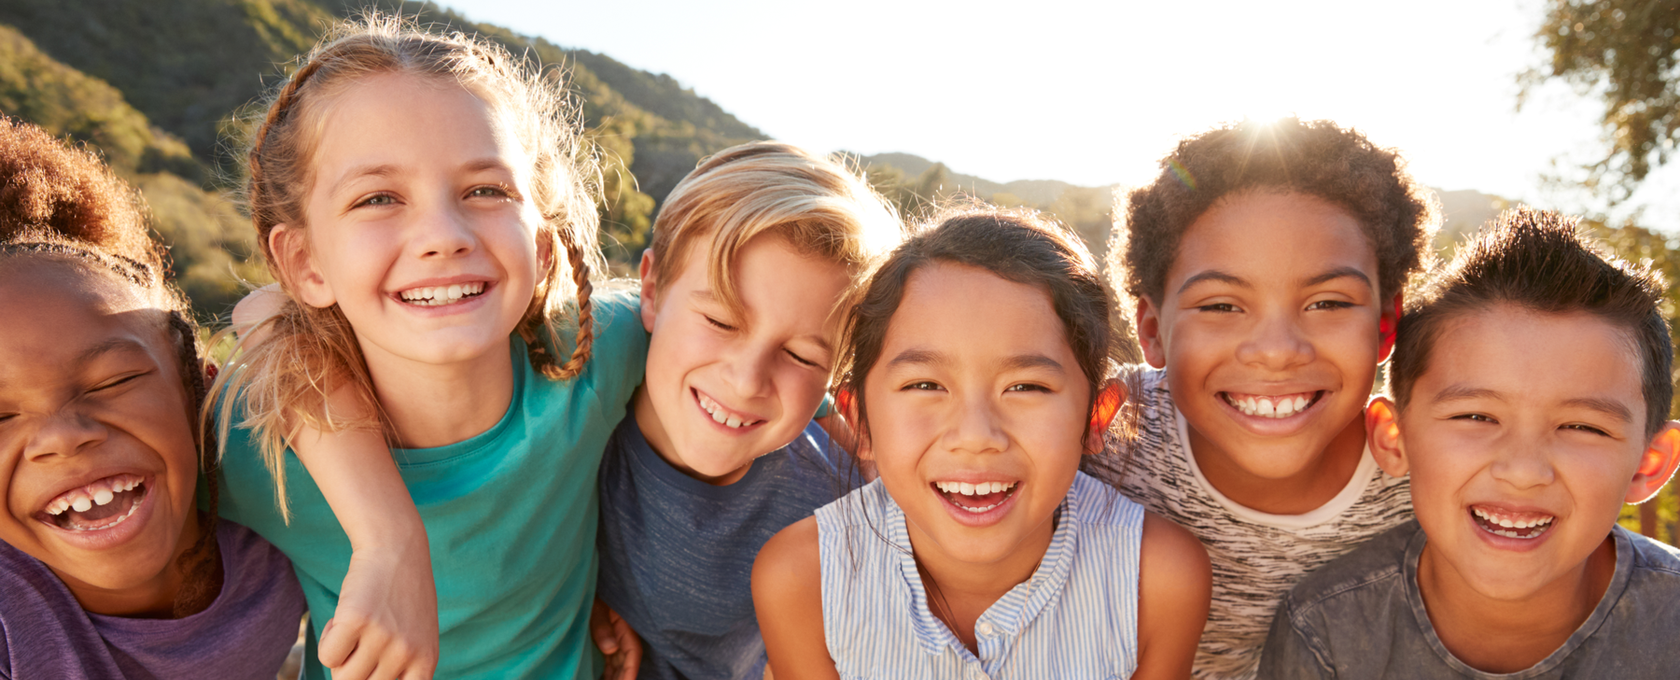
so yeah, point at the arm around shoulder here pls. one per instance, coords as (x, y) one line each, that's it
(787, 594)
(1174, 589)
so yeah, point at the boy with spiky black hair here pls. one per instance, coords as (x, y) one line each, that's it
(1529, 395)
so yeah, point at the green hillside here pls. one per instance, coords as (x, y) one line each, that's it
(156, 87)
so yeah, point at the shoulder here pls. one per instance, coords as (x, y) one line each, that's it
(1172, 563)
(789, 566)
(1377, 563)
(1661, 559)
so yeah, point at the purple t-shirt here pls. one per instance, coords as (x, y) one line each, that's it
(245, 633)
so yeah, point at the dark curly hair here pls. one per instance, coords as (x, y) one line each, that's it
(62, 203)
(1539, 260)
(1317, 158)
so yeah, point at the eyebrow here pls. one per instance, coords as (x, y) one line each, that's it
(108, 346)
(914, 356)
(1609, 407)
(1214, 275)
(387, 170)
(1340, 273)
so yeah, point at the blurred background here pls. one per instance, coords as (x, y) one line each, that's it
(1051, 104)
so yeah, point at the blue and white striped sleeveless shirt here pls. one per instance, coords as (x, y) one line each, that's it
(1075, 618)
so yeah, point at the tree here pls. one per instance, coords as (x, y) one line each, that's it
(1626, 52)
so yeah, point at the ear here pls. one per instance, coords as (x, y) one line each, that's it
(297, 265)
(1149, 332)
(846, 403)
(1657, 464)
(1382, 433)
(1107, 405)
(650, 283)
(1387, 325)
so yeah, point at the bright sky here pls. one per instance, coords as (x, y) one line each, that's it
(1095, 92)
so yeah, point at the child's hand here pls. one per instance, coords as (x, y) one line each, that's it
(386, 626)
(620, 644)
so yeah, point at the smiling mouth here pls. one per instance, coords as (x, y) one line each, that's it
(100, 505)
(1272, 406)
(1524, 525)
(724, 416)
(976, 498)
(438, 296)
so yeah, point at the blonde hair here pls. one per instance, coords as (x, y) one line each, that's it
(307, 352)
(820, 207)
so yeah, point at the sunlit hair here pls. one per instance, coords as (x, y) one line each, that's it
(1316, 158)
(737, 194)
(1540, 261)
(63, 205)
(1013, 244)
(309, 352)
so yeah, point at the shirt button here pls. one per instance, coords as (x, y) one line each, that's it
(984, 628)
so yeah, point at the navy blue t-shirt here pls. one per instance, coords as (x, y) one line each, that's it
(677, 553)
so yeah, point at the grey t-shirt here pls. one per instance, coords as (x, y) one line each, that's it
(677, 553)
(1362, 617)
(244, 634)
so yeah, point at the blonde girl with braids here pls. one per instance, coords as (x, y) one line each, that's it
(426, 206)
(108, 566)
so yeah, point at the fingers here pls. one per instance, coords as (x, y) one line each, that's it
(630, 648)
(601, 628)
(338, 640)
(380, 657)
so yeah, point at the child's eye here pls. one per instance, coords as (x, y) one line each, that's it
(1475, 417)
(488, 192)
(1218, 307)
(120, 380)
(377, 200)
(1330, 304)
(718, 324)
(924, 385)
(802, 360)
(1026, 387)
(1581, 427)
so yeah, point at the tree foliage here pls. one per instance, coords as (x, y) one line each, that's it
(1626, 52)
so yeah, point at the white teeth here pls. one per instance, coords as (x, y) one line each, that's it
(81, 504)
(100, 492)
(972, 489)
(717, 413)
(441, 295)
(965, 488)
(1269, 407)
(1514, 525)
(103, 496)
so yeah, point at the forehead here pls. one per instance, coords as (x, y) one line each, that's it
(66, 308)
(402, 121)
(976, 312)
(1494, 348)
(1267, 237)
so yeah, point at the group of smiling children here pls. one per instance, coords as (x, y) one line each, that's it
(483, 460)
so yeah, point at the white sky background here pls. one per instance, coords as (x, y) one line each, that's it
(1094, 93)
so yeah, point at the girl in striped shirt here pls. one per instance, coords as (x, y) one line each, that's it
(977, 369)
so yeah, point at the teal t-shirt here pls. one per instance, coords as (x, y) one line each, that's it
(510, 515)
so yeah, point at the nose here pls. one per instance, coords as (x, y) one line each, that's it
(1276, 343)
(747, 370)
(66, 433)
(976, 427)
(443, 232)
(1523, 463)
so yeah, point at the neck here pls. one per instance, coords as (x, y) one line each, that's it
(1505, 636)
(1300, 493)
(959, 591)
(433, 405)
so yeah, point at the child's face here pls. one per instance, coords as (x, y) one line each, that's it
(97, 461)
(1269, 330)
(722, 389)
(976, 390)
(422, 226)
(1521, 451)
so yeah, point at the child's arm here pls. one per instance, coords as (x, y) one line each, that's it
(1174, 588)
(386, 624)
(787, 593)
